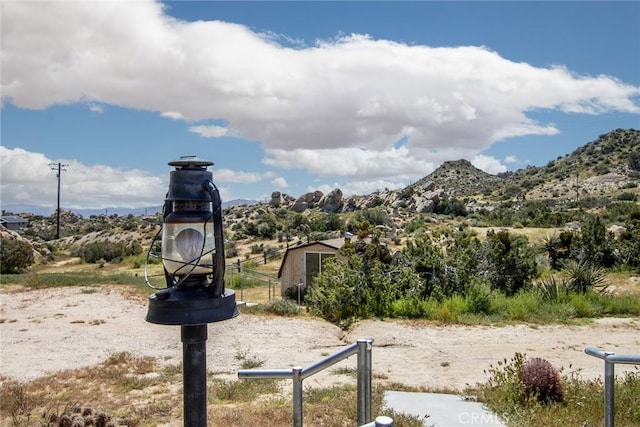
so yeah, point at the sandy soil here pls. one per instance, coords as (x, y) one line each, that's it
(44, 331)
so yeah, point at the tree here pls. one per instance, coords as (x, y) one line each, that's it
(511, 262)
(15, 256)
(594, 244)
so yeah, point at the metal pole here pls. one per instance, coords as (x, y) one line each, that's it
(194, 374)
(58, 211)
(297, 396)
(383, 421)
(364, 381)
(609, 393)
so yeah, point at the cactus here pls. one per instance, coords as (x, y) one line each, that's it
(541, 381)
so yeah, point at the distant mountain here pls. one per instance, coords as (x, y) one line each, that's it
(459, 178)
(87, 213)
(607, 167)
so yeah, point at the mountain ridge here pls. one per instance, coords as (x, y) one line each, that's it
(608, 166)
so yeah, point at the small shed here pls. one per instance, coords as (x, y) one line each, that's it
(301, 264)
(13, 223)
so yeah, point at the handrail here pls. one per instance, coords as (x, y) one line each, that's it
(610, 359)
(245, 272)
(363, 349)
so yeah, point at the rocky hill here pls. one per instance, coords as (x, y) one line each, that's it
(460, 178)
(606, 168)
(597, 173)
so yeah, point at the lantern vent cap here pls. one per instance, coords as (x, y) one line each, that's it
(190, 162)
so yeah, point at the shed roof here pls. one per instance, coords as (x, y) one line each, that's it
(12, 219)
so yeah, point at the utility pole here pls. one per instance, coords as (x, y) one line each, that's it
(59, 167)
(577, 185)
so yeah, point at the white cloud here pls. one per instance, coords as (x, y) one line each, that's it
(488, 164)
(94, 108)
(511, 159)
(230, 176)
(280, 183)
(81, 185)
(211, 131)
(337, 107)
(352, 162)
(94, 186)
(174, 115)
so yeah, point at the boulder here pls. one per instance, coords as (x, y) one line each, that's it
(276, 199)
(307, 201)
(332, 202)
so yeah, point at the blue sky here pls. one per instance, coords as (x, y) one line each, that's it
(301, 96)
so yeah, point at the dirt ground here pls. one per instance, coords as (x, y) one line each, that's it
(45, 331)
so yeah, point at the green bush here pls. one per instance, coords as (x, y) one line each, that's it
(521, 306)
(582, 305)
(283, 307)
(479, 297)
(15, 256)
(107, 251)
(412, 308)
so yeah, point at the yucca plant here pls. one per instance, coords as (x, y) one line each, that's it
(552, 290)
(584, 277)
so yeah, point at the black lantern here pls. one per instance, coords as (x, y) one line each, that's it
(192, 251)
(193, 259)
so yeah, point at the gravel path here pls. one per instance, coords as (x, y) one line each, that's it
(44, 331)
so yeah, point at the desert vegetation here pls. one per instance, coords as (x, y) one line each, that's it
(555, 244)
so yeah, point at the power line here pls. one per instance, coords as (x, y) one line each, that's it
(59, 168)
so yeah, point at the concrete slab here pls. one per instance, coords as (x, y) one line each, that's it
(441, 410)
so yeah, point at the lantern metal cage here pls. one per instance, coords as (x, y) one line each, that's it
(192, 251)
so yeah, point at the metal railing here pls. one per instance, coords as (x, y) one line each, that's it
(244, 273)
(361, 347)
(610, 359)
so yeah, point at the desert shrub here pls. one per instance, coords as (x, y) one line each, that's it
(594, 244)
(584, 277)
(504, 383)
(522, 305)
(583, 306)
(15, 256)
(451, 309)
(374, 216)
(512, 262)
(292, 293)
(479, 297)
(107, 251)
(283, 307)
(552, 290)
(407, 307)
(627, 196)
(230, 248)
(333, 295)
(541, 381)
(453, 207)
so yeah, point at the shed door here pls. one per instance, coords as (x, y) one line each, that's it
(313, 262)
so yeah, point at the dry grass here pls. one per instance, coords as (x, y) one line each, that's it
(137, 392)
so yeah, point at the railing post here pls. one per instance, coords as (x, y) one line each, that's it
(297, 396)
(384, 421)
(364, 380)
(609, 391)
